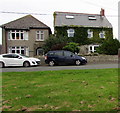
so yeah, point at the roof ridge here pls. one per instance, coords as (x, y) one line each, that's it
(76, 13)
(25, 19)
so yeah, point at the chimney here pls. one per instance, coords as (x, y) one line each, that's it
(102, 12)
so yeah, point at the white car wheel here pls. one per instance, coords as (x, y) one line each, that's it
(51, 63)
(1, 64)
(26, 64)
(77, 62)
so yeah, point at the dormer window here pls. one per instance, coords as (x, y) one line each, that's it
(70, 32)
(91, 17)
(69, 17)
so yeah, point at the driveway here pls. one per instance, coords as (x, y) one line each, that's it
(46, 68)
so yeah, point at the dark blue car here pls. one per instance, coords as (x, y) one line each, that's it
(61, 57)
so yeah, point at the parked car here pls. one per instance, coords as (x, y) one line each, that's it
(61, 57)
(17, 60)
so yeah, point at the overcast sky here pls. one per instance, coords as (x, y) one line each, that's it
(44, 9)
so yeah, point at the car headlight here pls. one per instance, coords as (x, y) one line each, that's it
(83, 58)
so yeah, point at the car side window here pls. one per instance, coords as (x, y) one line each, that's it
(15, 56)
(67, 53)
(11, 56)
(59, 53)
(7, 56)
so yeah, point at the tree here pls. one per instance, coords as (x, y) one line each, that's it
(109, 47)
(55, 43)
(71, 46)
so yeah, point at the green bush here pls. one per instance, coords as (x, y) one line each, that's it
(71, 46)
(55, 43)
(109, 47)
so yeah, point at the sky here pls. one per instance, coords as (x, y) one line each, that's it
(43, 10)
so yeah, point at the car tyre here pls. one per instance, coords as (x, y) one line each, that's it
(26, 64)
(2, 64)
(77, 62)
(51, 63)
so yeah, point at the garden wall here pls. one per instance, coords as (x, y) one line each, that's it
(102, 59)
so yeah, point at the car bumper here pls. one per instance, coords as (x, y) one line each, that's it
(35, 63)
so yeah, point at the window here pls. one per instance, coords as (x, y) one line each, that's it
(70, 32)
(90, 33)
(91, 17)
(102, 34)
(59, 53)
(18, 49)
(69, 16)
(17, 35)
(93, 48)
(40, 36)
(7, 56)
(68, 54)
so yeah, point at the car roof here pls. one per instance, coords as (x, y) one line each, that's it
(10, 54)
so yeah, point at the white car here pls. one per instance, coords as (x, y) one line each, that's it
(11, 59)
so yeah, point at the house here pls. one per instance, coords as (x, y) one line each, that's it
(0, 48)
(25, 35)
(82, 28)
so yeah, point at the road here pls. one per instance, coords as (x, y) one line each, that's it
(46, 68)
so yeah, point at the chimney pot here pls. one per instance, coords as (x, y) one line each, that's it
(102, 12)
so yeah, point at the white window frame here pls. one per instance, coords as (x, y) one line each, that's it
(90, 33)
(18, 48)
(91, 48)
(22, 35)
(39, 35)
(102, 34)
(71, 32)
(69, 17)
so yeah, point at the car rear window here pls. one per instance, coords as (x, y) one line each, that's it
(50, 54)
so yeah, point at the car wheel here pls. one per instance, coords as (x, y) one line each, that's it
(51, 63)
(26, 64)
(77, 62)
(2, 64)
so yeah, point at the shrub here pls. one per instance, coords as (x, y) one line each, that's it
(55, 43)
(71, 46)
(109, 47)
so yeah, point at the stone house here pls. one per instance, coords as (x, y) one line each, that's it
(89, 30)
(25, 36)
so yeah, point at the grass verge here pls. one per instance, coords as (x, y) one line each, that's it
(66, 90)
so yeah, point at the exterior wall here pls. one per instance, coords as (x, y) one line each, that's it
(81, 33)
(31, 42)
(3, 41)
(81, 36)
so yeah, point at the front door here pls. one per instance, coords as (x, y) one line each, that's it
(39, 51)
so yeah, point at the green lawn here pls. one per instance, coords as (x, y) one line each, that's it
(66, 90)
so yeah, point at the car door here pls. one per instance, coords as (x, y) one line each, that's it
(69, 57)
(17, 60)
(8, 59)
(60, 59)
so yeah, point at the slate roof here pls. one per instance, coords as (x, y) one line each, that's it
(25, 22)
(80, 19)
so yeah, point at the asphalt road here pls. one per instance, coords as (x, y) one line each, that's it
(45, 68)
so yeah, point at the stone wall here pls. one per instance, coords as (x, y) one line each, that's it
(102, 59)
